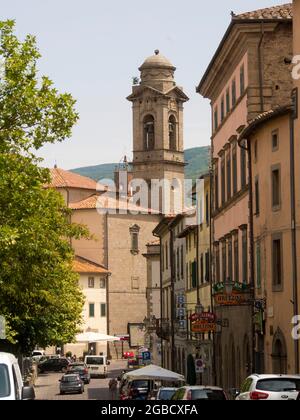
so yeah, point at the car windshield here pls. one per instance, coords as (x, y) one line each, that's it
(77, 368)
(95, 361)
(70, 378)
(279, 385)
(139, 384)
(208, 394)
(4, 382)
(166, 394)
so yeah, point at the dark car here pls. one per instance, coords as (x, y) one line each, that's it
(80, 369)
(71, 383)
(53, 365)
(135, 390)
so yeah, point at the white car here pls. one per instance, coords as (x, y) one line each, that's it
(270, 387)
(11, 383)
(97, 366)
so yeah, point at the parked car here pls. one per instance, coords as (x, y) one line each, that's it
(80, 369)
(11, 383)
(133, 364)
(135, 389)
(165, 394)
(38, 355)
(128, 355)
(270, 387)
(71, 383)
(53, 365)
(197, 393)
(97, 366)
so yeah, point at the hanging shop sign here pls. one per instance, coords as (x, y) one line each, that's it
(234, 299)
(234, 295)
(203, 323)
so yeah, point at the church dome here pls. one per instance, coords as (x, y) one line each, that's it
(157, 61)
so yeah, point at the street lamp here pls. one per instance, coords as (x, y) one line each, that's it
(228, 286)
(199, 309)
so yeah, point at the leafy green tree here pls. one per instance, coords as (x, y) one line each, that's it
(39, 293)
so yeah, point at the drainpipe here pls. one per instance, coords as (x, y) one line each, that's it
(214, 372)
(260, 69)
(161, 302)
(294, 235)
(172, 300)
(251, 250)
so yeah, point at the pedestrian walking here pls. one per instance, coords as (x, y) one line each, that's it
(113, 387)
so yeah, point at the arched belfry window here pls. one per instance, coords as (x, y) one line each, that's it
(149, 133)
(172, 133)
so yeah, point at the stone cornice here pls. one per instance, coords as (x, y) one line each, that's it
(230, 51)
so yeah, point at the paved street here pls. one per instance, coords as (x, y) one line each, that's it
(47, 386)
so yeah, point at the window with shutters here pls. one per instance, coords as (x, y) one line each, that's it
(228, 178)
(134, 233)
(233, 92)
(236, 258)
(194, 275)
(234, 168)
(227, 101)
(243, 165)
(91, 310)
(223, 179)
(276, 193)
(230, 267)
(103, 310)
(277, 262)
(207, 271)
(224, 265)
(242, 79)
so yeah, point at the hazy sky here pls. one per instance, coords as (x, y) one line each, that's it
(93, 48)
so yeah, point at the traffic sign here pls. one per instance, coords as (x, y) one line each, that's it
(200, 366)
(146, 355)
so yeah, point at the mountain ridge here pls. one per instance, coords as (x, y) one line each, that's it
(197, 159)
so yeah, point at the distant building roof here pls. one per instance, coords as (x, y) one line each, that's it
(66, 179)
(97, 201)
(283, 11)
(83, 266)
(263, 118)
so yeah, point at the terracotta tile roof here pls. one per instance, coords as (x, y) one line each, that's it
(97, 201)
(262, 118)
(283, 11)
(66, 179)
(84, 266)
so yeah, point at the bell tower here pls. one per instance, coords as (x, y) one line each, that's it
(157, 104)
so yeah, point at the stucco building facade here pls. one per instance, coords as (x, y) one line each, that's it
(247, 76)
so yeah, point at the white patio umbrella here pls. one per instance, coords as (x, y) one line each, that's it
(153, 372)
(92, 337)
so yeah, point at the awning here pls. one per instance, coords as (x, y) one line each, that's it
(153, 372)
(92, 337)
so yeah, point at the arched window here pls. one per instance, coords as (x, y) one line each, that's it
(279, 353)
(149, 133)
(172, 133)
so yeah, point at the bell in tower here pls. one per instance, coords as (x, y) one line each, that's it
(157, 105)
